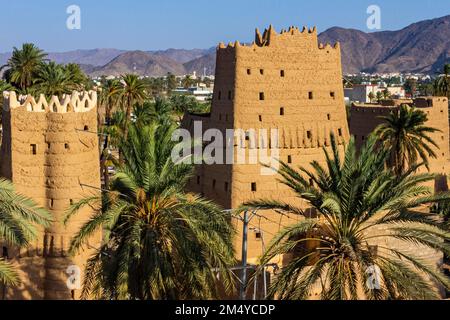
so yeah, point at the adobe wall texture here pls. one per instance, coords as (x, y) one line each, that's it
(364, 118)
(285, 81)
(290, 82)
(49, 152)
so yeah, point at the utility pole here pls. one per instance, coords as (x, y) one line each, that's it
(264, 275)
(245, 221)
(263, 247)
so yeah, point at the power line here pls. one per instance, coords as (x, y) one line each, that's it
(270, 220)
(253, 225)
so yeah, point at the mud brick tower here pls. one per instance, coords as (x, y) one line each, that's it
(289, 82)
(50, 152)
(285, 81)
(366, 117)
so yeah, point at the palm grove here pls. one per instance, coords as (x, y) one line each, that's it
(161, 242)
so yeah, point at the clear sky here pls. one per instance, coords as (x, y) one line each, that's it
(162, 24)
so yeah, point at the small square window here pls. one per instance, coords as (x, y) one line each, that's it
(332, 95)
(86, 128)
(309, 134)
(253, 186)
(282, 73)
(249, 71)
(261, 71)
(329, 116)
(258, 235)
(33, 148)
(261, 96)
(289, 159)
(51, 203)
(340, 132)
(71, 202)
(214, 183)
(281, 111)
(66, 146)
(310, 95)
(260, 118)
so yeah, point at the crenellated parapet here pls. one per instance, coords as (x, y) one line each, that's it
(74, 102)
(292, 36)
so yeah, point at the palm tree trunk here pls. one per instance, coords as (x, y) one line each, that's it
(126, 124)
(104, 159)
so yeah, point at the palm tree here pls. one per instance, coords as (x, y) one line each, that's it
(108, 99)
(115, 129)
(134, 91)
(23, 65)
(386, 94)
(410, 86)
(52, 79)
(187, 81)
(358, 201)
(171, 82)
(405, 135)
(379, 96)
(76, 76)
(20, 219)
(182, 103)
(5, 86)
(441, 85)
(109, 96)
(158, 111)
(160, 242)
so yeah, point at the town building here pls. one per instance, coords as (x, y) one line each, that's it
(361, 92)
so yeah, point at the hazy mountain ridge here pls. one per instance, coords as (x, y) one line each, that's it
(420, 47)
(142, 63)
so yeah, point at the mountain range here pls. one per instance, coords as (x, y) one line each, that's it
(421, 47)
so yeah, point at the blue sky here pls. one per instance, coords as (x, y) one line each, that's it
(152, 24)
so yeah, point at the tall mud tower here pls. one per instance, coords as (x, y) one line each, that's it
(50, 152)
(285, 81)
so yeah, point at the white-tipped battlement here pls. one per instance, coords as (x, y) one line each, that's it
(74, 102)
